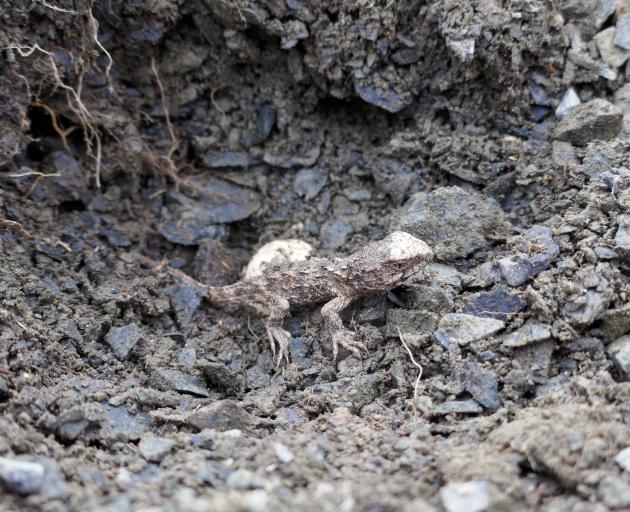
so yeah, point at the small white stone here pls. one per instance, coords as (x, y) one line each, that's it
(569, 100)
(466, 496)
(283, 453)
(124, 479)
(463, 48)
(278, 252)
(623, 459)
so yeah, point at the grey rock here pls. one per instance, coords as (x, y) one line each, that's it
(622, 237)
(622, 31)
(576, 9)
(616, 322)
(473, 496)
(21, 477)
(405, 56)
(353, 392)
(563, 153)
(415, 326)
(451, 220)
(54, 484)
(118, 424)
(623, 459)
(185, 299)
(611, 54)
(582, 59)
(169, 378)
(614, 491)
(531, 332)
(440, 274)
(539, 94)
(299, 349)
(604, 253)
(387, 99)
(222, 415)
(536, 249)
(588, 306)
(457, 407)
(482, 385)
(69, 329)
(71, 184)
(123, 339)
(153, 448)
(335, 234)
(569, 100)
(215, 201)
(221, 378)
(597, 119)
(619, 352)
(604, 9)
(264, 124)
(498, 303)
(244, 479)
(257, 376)
(622, 98)
(431, 298)
(189, 231)
(294, 32)
(516, 270)
(215, 159)
(187, 355)
(462, 329)
(289, 416)
(309, 182)
(535, 361)
(5, 392)
(116, 238)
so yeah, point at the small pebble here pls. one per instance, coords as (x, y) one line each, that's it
(623, 459)
(466, 496)
(283, 453)
(569, 100)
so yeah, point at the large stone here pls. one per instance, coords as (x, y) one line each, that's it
(20, 476)
(453, 221)
(612, 54)
(597, 119)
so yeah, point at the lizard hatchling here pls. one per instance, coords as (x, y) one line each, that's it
(379, 266)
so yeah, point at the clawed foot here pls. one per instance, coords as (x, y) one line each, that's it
(280, 338)
(346, 340)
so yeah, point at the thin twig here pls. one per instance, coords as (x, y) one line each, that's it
(417, 365)
(57, 9)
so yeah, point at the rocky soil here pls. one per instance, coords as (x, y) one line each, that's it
(192, 133)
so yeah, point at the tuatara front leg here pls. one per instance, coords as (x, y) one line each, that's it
(278, 311)
(339, 334)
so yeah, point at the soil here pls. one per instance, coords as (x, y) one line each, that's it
(192, 133)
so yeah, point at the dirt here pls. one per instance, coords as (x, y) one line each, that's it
(193, 133)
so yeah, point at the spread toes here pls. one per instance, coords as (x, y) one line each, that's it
(280, 338)
(347, 340)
